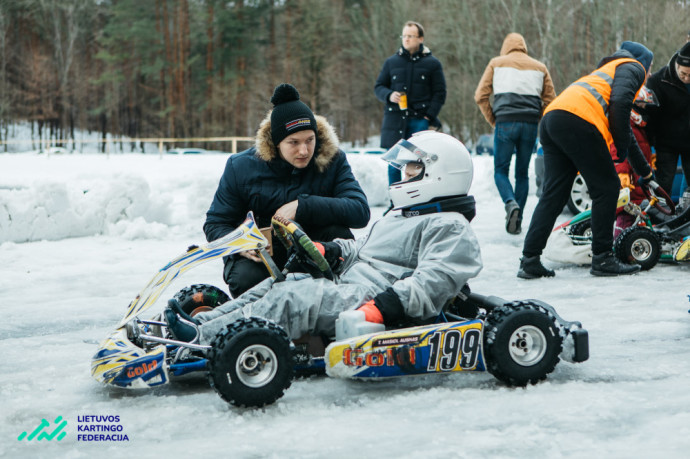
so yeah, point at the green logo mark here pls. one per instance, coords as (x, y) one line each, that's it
(41, 426)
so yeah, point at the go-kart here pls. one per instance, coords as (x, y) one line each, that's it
(252, 362)
(657, 232)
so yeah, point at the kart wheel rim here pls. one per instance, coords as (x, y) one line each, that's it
(256, 366)
(527, 345)
(580, 194)
(641, 249)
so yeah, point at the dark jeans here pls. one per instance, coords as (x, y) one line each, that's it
(413, 125)
(570, 145)
(666, 166)
(519, 138)
(241, 273)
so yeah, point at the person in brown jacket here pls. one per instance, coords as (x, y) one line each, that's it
(521, 87)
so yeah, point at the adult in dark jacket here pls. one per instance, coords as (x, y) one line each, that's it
(419, 75)
(576, 133)
(669, 123)
(296, 171)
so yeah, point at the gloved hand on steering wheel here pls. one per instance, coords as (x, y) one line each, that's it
(332, 252)
(644, 181)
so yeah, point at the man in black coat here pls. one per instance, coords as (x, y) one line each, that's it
(416, 76)
(295, 171)
(669, 123)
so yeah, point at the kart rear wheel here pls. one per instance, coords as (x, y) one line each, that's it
(200, 297)
(521, 343)
(638, 245)
(250, 363)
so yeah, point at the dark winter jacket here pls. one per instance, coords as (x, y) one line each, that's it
(259, 180)
(669, 123)
(420, 75)
(521, 86)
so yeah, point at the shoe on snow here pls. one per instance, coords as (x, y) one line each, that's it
(606, 264)
(531, 268)
(513, 217)
(180, 328)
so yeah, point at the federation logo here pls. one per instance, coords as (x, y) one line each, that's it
(60, 424)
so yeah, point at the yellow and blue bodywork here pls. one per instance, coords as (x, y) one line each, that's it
(118, 361)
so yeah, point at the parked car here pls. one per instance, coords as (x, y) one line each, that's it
(580, 200)
(484, 145)
(366, 151)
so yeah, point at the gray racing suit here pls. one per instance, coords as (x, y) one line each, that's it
(426, 259)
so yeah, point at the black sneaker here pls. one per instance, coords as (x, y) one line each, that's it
(606, 264)
(531, 268)
(512, 217)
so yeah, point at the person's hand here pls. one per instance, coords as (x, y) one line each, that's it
(288, 210)
(252, 255)
(371, 312)
(643, 181)
(332, 252)
(394, 97)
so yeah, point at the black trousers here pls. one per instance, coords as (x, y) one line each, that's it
(571, 144)
(667, 164)
(241, 273)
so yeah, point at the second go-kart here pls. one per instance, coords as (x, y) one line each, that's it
(659, 232)
(252, 362)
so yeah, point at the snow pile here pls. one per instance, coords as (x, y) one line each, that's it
(85, 195)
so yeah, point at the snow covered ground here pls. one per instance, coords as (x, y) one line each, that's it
(80, 235)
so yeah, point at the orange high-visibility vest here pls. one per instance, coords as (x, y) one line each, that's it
(589, 97)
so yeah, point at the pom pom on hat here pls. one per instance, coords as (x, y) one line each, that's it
(284, 93)
(289, 114)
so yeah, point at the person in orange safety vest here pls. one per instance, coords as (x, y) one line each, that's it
(577, 131)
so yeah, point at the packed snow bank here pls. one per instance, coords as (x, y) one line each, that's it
(56, 197)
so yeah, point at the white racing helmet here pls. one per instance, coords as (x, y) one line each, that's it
(447, 169)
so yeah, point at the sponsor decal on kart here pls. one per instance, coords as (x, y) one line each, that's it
(438, 348)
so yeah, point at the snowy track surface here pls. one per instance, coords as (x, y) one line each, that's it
(98, 228)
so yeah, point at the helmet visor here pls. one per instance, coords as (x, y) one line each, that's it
(405, 152)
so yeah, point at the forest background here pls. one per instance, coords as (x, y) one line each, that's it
(205, 68)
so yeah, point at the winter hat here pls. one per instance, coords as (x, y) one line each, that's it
(640, 53)
(684, 55)
(289, 114)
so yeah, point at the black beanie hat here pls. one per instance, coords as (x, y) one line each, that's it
(289, 114)
(684, 55)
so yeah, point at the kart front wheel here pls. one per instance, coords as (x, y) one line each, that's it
(200, 298)
(521, 343)
(639, 245)
(250, 363)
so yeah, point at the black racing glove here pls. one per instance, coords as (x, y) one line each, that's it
(332, 253)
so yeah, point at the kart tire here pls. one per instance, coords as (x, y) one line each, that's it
(582, 229)
(639, 245)
(200, 296)
(521, 343)
(250, 363)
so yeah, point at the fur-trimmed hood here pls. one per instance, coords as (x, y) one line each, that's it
(326, 143)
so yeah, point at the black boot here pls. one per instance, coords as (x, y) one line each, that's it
(606, 264)
(531, 268)
(182, 327)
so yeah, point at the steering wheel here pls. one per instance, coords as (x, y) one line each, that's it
(656, 194)
(297, 242)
